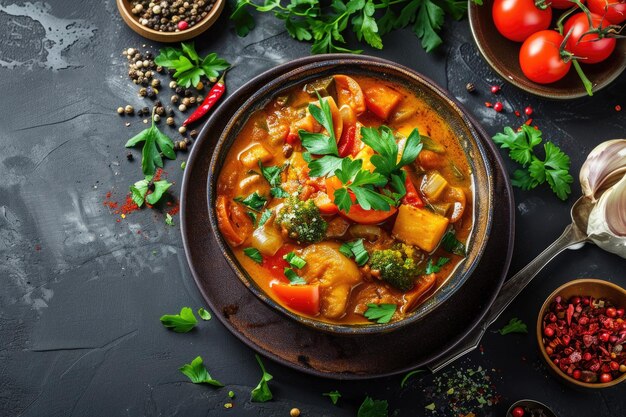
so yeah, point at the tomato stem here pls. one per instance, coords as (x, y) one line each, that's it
(541, 4)
(588, 85)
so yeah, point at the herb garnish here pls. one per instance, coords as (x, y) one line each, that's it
(180, 323)
(204, 314)
(380, 313)
(294, 279)
(409, 375)
(155, 144)
(294, 260)
(515, 325)
(139, 192)
(356, 250)
(272, 175)
(188, 65)
(254, 254)
(255, 201)
(451, 244)
(261, 393)
(265, 216)
(554, 169)
(334, 396)
(198, 374)
(373, 408)
(169, 220)
(325, 26)
(432, 268)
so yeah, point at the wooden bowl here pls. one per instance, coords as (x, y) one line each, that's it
(595, 288)
(503, 56)
(131, 20)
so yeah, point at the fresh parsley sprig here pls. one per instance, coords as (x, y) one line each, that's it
(155, 145)
(189, 66)
(273, 176)
(180, 323)
(553, 169)
(361, 183)
(262, 393)
(333, 395)
(197, 373)
(514, 325)
(139, 192)
(380, 313)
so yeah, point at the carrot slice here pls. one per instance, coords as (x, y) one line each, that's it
(349, 92)
(225, 224)
(381, 100)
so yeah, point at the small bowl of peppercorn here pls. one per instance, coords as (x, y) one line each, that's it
(170, 20)
(581, 331)
(529, 408)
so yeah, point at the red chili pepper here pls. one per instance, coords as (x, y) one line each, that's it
(411, 197)
(214, 95)
(346, 143)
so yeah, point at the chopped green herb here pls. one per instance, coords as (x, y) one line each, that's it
(380, 313)
(273, 177)
(293, 278)
(253, 216)
(231, 394)
(139, 191)
(515, 325)
(261, 393)
(373, 408)
(409, 375)
(265, 216)
(204, 314)
(554, 169)
(182, 322)
(334, 396)
(198, 374)
(451, 244)
(183, 165)
(188, 65)
(430, 407)
(155, 145)
(168, 219)
(436, 267)
(356, 250)
(294, 260)
(254, 254)
(255, 201)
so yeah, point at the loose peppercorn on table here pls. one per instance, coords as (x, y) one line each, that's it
(84, 287)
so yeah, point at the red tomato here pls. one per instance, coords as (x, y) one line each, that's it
(613, 10)
(540, 57)
(518, 19)
(564, 4)
(302, 298)
(357, 214)
(412, 197)
(589, 47)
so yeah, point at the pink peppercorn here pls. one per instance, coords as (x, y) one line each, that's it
(182, 25)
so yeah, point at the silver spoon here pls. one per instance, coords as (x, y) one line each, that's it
(574, 237)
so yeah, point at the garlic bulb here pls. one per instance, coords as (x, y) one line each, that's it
(605, 166)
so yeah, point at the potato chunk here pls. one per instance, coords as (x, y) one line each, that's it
(252, 155)
(419, 227)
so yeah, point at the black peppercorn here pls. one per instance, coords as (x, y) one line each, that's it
(179, 90)
(170, 111)
(470, 87)
(130, 156)
(193, 133)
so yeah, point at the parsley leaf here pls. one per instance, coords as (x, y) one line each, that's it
(271, 174)
(155, 144)
(373, 408)
(515, 325)
(334, 396)
(356, 250)
(380, 313)
(204, 314)
(168, 219)
(436, 267)
(451, 244)
(190, 68)
(261, 393)
(254, 254)
(319, 143)
(293, 278)
(180, 323)
(265, 216)
(294, 260)
(409, 375)
(198, 374)
(361, 182)
(255, 201)
(383, 141)
(325, 165)
(554, 169)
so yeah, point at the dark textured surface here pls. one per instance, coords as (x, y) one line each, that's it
(81, 297)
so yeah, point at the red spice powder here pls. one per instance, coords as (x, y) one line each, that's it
(109, 203)
(128, 207)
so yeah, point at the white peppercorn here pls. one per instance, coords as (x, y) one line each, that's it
(182, 108)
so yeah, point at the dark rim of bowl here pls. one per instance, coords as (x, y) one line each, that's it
(285, 80)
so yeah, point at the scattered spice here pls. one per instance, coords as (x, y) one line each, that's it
(488, 104)
(584, 337)
(498, 107)
(470, 87)
(495, 89)
(618, 108)
(517, 113)
(528, 111)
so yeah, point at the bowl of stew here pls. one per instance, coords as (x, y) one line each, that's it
(351, 194)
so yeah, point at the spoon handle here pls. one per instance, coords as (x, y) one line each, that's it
(571, 236)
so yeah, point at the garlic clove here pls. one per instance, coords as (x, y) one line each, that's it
(605, 166)
(615, 209)
(607, 221)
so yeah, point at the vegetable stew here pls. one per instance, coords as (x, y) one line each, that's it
(347, 199)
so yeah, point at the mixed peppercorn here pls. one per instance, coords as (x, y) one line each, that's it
(584, 338)
(170, 15)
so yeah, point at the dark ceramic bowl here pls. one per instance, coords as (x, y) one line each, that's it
(503, 56)
(534, 407)
(595, 288)
(282, 80)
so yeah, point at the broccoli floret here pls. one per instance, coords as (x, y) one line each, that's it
(302, 220)
(396, 266)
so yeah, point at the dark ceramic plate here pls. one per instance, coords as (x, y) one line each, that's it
(257, 93)
(503, 56)
(267, 331)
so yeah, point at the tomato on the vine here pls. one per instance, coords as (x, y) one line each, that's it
(564, 4)
(591, 48)
(613, 10)
(541, 58)
(518, 19)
